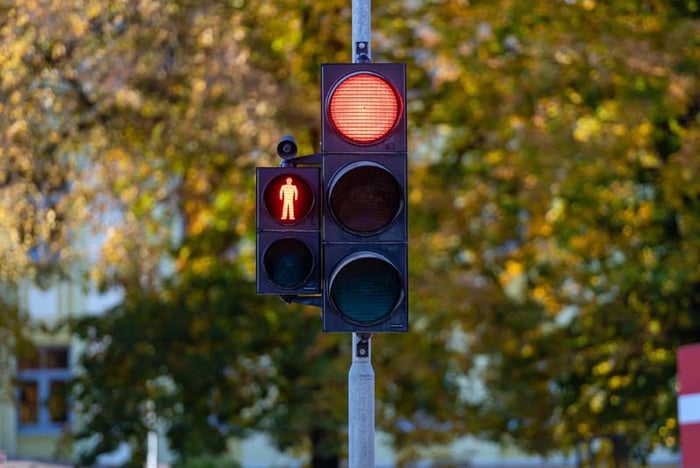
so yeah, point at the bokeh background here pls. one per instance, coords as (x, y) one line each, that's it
(554, 209)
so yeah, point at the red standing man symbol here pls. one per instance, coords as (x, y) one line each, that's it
(288, 194)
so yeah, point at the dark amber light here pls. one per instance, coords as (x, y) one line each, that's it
(364, 108)
(365, 199)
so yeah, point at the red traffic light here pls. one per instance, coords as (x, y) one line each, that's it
(364, 108)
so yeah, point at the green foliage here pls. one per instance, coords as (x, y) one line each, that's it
(13, 330)
(556, 208)
(183, 352)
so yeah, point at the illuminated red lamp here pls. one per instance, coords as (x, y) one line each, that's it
(288, 198)
(364, 108)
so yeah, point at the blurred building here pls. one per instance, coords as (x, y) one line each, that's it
(35, 411)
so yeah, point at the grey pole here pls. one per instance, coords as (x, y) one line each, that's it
(361, 30)
(361, 403)
(361, 375)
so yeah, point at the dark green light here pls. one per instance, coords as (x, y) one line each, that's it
(365, 290)
(288, 262)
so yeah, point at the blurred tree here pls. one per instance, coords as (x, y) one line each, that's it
(556, 191)
(13, 330)
(188, 356)
(34, 171)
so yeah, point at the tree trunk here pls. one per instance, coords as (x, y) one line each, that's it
(319, 456)
(325, 461)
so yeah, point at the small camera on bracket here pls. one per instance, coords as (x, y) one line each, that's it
(287, 147)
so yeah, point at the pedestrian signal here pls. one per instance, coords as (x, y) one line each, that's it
(288, 198)
(288, 231)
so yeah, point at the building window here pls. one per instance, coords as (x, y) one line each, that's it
(29, 403)
(43, 375)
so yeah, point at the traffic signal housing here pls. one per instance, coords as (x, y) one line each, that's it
(288, 253)
(364, 147)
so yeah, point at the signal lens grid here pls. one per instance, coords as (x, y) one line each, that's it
(288, 263)
(366, 290)
(365, 199)
(364, 108)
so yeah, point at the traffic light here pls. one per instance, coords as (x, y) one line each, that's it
(364, 147)
(288, 230)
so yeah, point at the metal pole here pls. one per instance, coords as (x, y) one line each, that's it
(152, 437)
(361, 375)
(152, 453)
(361, 30)
(361, 403)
